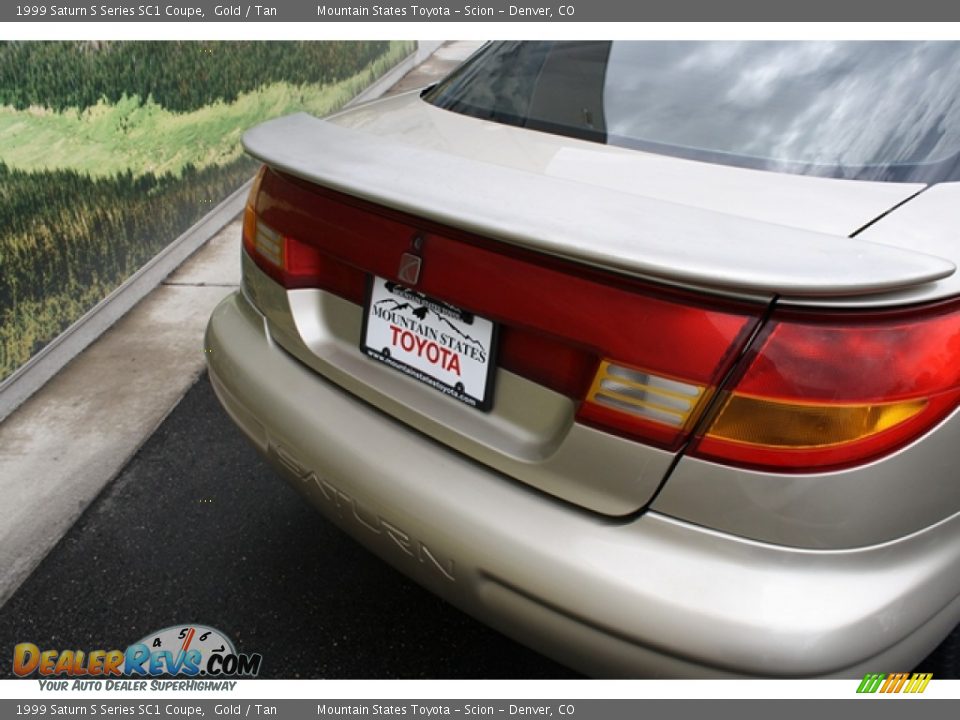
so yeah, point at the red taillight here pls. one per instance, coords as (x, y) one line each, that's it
(294, 263)
(560, 323)
(835, 390)
(815, 392)
(547, 360)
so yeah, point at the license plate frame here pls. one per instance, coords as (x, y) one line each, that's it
(445, 347)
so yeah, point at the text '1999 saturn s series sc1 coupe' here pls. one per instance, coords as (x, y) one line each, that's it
(645, 354)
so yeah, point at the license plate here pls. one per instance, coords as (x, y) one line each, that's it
(438, 344)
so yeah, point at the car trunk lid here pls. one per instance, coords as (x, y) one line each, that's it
(637, 235)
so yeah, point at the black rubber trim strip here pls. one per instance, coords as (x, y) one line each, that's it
(882, 215)
(708, 413)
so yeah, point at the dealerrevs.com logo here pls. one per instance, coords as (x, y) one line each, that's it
(181, 650)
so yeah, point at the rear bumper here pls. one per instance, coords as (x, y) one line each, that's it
(651, 597)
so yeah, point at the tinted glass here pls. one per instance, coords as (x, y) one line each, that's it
(868, 110)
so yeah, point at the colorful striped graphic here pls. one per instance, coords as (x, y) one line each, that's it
(895, 683)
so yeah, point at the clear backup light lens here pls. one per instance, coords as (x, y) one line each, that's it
(640, 402)
(269, 244)
(286, 259)
(644, 394)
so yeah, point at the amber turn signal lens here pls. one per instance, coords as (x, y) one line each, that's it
(773, 424)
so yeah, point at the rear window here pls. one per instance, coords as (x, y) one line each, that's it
(863, 110)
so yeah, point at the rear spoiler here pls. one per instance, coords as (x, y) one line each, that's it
(635, 235)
